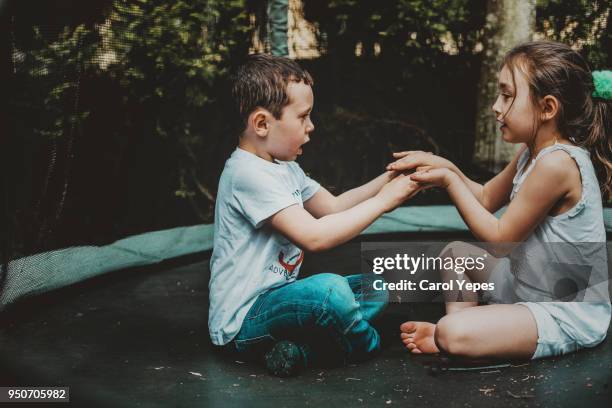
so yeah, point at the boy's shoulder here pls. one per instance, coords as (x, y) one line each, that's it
(246, 172)
(242, 164)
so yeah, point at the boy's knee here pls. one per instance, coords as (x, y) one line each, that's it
(338, 295)
(373, 287)
(328, 287)
(452, 336)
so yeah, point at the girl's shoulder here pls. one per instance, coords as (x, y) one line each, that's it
(552, 161)
(556, 165)
(554, 172)
(562, 159)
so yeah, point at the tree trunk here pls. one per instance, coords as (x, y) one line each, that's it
(277, 27)
(508, 23)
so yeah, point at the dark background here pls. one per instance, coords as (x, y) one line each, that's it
(119, 118)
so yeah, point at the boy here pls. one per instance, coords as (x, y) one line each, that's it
(267, 212)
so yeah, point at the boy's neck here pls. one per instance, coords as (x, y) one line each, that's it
(246, 145)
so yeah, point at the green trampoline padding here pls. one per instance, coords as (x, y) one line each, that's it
(55, 269)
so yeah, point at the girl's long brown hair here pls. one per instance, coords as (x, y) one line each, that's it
(555, 69)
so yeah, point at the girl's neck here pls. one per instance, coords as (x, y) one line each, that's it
(542, 141)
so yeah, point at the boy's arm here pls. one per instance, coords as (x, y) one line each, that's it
(547, 183)
(323, 202)
(312, 234)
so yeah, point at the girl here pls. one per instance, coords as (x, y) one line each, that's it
(547, 102)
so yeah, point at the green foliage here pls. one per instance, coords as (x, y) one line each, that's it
(137, 89)
(150, 73)
(170, 57)
(410, 28)
(49, 74)
(582, 23)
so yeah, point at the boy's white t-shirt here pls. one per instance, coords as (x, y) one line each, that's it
(249, 257)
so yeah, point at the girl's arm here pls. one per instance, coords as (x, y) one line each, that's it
(493, 195)
(549, 181)
(496, 192)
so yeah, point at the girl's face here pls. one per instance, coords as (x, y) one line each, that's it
(513, 107)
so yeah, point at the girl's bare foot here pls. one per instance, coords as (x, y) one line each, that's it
(419, 337)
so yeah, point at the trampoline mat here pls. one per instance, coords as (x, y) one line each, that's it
(139, 337)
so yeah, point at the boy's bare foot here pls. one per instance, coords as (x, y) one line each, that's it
(419, 337)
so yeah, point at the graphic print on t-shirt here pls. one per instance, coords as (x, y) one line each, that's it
(287, 265)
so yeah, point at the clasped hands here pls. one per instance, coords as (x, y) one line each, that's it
(429, 170)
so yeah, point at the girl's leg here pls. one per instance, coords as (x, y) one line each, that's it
(461, 250)
(456, 250)
(499, 331)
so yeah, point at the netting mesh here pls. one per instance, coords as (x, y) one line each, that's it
(86, 168)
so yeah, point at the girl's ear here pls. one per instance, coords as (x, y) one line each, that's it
(549, 106)
(258, 120)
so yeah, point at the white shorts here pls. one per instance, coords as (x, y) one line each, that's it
(562, 327)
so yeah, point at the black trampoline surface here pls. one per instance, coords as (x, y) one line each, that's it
(139, 338)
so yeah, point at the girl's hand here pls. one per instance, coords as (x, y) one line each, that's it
(396, 191)
(418, 160)
(434, 177)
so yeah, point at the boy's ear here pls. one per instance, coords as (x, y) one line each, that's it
(550, 107)
(260, 122)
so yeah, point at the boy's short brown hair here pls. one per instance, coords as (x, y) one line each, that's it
(262, 82)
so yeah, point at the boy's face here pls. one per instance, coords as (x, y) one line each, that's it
(514, 108)
(287, 134)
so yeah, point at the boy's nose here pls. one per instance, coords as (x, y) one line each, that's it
(310, 127)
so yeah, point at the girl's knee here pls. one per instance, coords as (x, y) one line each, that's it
(453, 336)
(451, 248)
(460, 249)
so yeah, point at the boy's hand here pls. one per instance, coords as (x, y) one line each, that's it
(418, 160)
(397, 191)
(434, 177)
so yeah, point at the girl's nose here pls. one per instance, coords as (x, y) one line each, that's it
(496, 108)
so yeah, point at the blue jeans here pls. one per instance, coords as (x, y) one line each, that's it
(325, 314)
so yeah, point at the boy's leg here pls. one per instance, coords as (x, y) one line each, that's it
(372, 302)
(323, 302)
